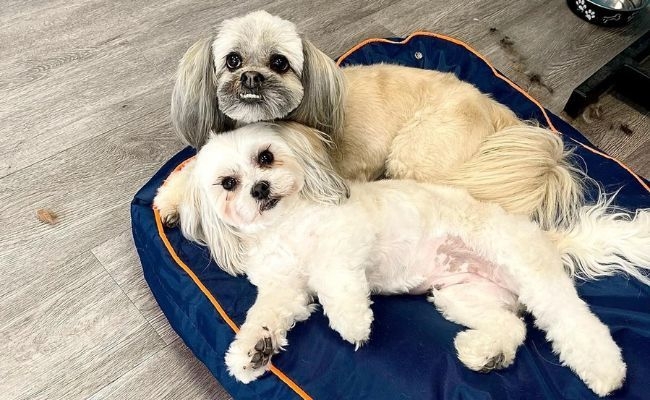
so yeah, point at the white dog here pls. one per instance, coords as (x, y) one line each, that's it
(267, 202)
(386, 120)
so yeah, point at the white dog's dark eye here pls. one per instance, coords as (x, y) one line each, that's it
(233, 61)
(279, 63)
(265, 158)
(229, 183)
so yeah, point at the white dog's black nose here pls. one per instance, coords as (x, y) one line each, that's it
(261, 190)
(252, 79)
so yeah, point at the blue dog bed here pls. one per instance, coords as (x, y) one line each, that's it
(410, 354)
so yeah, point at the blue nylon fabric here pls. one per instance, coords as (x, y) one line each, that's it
(410, 354)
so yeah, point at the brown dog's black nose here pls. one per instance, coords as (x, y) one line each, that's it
(252, 79)
(261, 190)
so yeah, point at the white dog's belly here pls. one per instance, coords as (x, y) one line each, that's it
(437, 263)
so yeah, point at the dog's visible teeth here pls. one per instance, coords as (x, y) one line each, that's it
(250, 96)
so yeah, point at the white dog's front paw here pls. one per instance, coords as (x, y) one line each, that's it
(250, 354)
(484, 351)
(354, 330)
(170, 195)
(167, 202)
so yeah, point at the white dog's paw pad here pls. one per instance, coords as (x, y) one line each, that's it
(496, 362)
(249, 356)
(261, 353)
(483, 352)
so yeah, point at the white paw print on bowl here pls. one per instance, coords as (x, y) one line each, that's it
(581, 5)
(589, 14)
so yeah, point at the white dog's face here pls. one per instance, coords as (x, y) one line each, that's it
(258, 61)
(251, 174)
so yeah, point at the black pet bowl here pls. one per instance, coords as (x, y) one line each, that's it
(607, 12)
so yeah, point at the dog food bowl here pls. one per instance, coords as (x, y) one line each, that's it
(607, 12)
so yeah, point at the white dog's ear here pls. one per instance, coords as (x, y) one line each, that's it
(324, 92)
(200, 222)
(311, 148)
(195, 110)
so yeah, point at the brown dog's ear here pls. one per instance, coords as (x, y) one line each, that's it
(195, 110)
(324, 92)
(311, 148)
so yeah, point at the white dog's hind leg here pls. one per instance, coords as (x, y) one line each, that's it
(581, 340)
(275, 311)
(495, 329)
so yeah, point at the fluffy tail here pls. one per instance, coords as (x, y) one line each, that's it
(606, 241)
(526, 170)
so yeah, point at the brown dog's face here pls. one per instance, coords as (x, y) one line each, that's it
(258, 60)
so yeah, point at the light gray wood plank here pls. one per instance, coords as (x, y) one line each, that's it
(41, 37)
(89, 186)
(173, 373)
(347, 37)
(547, 39)
(86, 99)
(68, 332)
(335, 26)
(562, 49)
(119, 257)
(56, 132)
(638, 159)
(468, 21)
(171, 27)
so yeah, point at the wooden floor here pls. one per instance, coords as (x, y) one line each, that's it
(84, 120)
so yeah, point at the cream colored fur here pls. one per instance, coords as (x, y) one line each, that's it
(432, 127)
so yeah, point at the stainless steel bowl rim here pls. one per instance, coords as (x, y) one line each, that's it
(609, 4)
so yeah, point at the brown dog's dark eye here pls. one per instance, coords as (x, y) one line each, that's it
(279, 63)
(233, 61)
(265, 158)
(229, 183)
